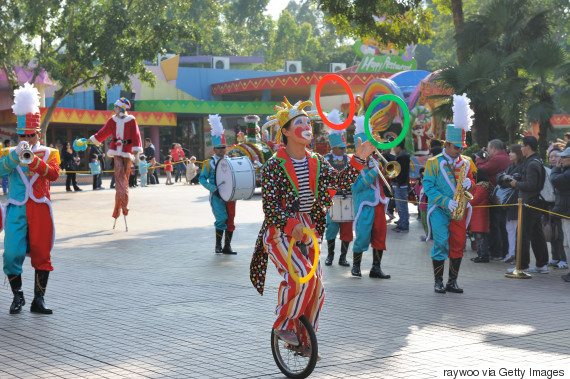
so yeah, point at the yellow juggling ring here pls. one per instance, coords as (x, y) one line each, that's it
(295, 277)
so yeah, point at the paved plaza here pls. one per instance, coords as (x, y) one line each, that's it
(156, 302)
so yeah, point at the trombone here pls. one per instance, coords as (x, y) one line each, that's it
(391, 169)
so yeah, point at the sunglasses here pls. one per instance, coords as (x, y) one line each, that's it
(457, 147)
(28, 135)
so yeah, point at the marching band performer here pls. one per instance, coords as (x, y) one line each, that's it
(370, 212)
(338, 159)
(125, 147)
(294, 194)
(224, 211)
(29, 218)
(445, 175)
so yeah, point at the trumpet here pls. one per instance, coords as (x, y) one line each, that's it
(26, 154)
(391, 169)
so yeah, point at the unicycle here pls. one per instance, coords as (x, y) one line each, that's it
(296, 362)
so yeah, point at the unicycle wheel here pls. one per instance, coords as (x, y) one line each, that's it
(296, 362)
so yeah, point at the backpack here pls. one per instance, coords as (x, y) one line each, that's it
(547, 192)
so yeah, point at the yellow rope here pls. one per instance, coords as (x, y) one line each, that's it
(545, 211)
(157, 166)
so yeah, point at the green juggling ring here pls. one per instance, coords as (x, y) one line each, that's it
(405, 116)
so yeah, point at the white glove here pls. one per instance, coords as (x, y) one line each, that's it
(452, 205)
(22, 145)
(466, 183)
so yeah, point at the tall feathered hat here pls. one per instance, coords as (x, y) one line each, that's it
(124, 104)
(286, 112)
(218, 137)
(359, 130)
(336, 137)
(462, 113)
(27, 108)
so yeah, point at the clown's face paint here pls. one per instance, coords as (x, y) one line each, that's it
(302, 128)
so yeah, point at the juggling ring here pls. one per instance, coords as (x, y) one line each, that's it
(406, 115)
(320, 84)
(295, 277)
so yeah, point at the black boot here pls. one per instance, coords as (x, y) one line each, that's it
(16, 285)
(376, 271)
(452, 286)
(343, 250)
(438, 275)
(356, 259)
(330, 257)
(227, 244)
(38, 305)
(219, 235)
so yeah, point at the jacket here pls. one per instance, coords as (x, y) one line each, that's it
(498, 163)
(280, 197)
(514, 168)
(126, 137)
(533, 175)
(480, 214)
(560, 178)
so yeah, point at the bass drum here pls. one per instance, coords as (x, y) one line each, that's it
(235, 178)
(342, 209)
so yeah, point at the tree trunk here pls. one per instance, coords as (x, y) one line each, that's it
(480, 129)
(543, 129)
(57, 96)
(458, 19)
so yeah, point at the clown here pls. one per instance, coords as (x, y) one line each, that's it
(295, 196)
(29, 224)
(338, 159)
(370, 213)
(125, 147)
(224, 211)
(440, 183)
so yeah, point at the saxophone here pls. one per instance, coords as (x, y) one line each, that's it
(462, 196)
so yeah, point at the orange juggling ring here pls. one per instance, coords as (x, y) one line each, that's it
(338, 79)
(295, 277)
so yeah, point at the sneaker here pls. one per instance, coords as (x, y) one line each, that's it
(553, 262)
(423, 238)
(566, 277)
(288, 336)
(538, 270)
(509, 259)
(512, 269)
(561, 264)
(306, 351)
(391, 215)
(496, 259)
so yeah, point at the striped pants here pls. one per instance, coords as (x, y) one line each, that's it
(295, 299)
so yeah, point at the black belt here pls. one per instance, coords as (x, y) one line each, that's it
(123, 141)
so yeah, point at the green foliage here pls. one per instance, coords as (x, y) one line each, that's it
(105, 42)
(406, 21)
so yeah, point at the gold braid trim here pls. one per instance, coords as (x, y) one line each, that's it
(13, 160)
(47, 171)
(35, 167)
(6, 167)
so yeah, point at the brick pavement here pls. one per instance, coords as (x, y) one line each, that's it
(156, 302)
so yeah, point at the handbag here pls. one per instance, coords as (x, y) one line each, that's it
(548, 228)
(502, 196)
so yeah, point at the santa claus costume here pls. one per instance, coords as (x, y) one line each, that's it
(124, 148)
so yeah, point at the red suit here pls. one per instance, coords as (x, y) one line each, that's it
(126, 140)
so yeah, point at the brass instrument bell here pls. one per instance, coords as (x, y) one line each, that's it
(391, 169)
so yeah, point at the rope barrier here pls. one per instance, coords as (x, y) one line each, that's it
(487, 206)
(107, 171)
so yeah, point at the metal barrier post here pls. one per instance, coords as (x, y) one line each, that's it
(518, 273)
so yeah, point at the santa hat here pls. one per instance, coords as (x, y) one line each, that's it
(27, 108)
(462, 120)
(336, 137)
(218, 137)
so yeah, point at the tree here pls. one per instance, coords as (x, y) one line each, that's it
(104, 42)
(398, 22)
(19, 21)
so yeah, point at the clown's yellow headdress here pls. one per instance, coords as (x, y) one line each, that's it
(286, 112)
